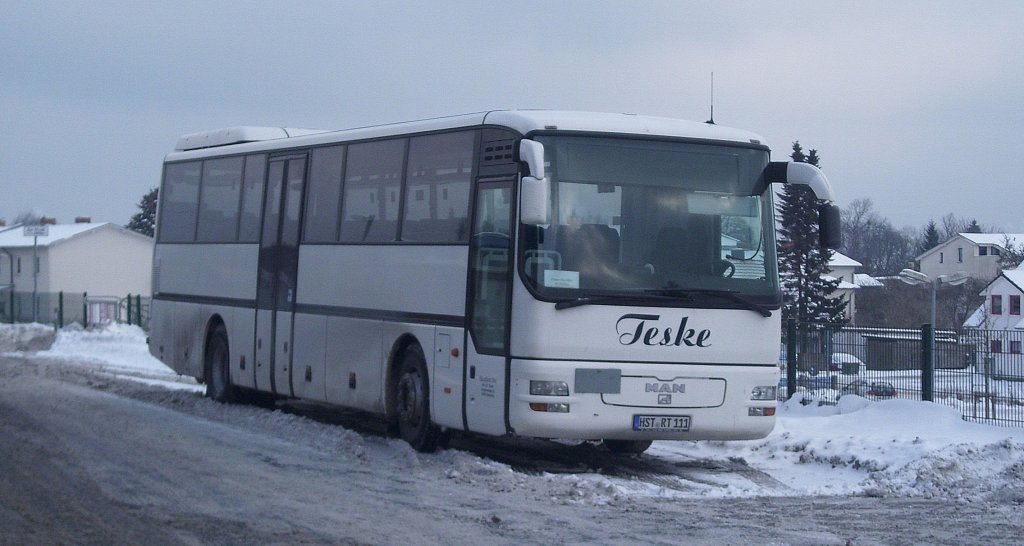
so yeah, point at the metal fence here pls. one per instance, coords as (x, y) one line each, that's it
(64, 308)
(978, 372)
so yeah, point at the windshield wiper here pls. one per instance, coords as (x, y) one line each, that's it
(586, 300)
(688, 293)
(605, 300)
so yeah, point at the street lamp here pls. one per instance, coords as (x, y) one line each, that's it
(910, 276)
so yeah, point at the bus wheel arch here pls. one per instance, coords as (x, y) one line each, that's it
(409, 385)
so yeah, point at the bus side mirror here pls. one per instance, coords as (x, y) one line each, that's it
(534, 201)
(830, 231)
(535, 189)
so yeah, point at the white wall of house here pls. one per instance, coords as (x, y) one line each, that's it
(1003, 306)
(844, 268)
(978, 257)
(107, 261)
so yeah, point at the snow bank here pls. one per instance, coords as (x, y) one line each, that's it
(25, 337)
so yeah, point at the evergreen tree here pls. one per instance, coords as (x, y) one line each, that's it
(930, 239)
(803, 264)
(144, 221)
(973, 227)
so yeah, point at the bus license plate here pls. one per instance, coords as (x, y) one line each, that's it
(661, 423)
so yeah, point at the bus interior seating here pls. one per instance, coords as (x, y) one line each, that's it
(536, 260)
(588, 247)
(689, 251)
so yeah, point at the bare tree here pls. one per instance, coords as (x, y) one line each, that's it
(29, 218)
(1013, 253)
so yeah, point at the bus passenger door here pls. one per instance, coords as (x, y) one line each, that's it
(278, 269)
(490, 278)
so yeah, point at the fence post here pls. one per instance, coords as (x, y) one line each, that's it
(85, 310)
(60, 309)
(928, 363)
(129, 309)
(138, 309)
(792, 357)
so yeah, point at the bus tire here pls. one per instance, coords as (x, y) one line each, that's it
(627, 447)
(217, 373)
(412, 402)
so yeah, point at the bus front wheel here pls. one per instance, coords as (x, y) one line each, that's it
(412, 402)
(630, 447)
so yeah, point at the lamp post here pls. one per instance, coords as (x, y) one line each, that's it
(910, 276)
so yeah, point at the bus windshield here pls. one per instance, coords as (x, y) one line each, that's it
(653, 220)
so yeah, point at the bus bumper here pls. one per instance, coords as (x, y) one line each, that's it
(641, 401)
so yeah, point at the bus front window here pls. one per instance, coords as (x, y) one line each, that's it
(648, 218)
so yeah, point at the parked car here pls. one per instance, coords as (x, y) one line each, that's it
(847, 364)
(870, 389)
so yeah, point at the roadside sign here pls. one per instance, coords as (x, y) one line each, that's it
(37, 231)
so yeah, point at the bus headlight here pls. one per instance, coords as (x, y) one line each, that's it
(763, 393)
(549, 388)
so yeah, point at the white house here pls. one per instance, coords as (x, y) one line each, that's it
(999, 323)
(976, 254)
(844, 268)
(101, 259)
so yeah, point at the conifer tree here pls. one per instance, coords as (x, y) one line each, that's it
(930, 239)
(803, 264)
(144, 221)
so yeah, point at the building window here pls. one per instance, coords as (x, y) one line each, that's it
(19, 265)
(1014, 305)
(982, 251)
(942, 257)
(995, 251)
(997, 305)
(996, 346)
(960, 255)
(1015, 347)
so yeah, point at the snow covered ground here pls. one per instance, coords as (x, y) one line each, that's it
(891, 448)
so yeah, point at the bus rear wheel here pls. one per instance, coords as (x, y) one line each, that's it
(412, 402)
(627, 447)
(217, 373)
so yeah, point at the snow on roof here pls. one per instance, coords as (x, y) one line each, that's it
(839, 259)
(15, 238)
(864, 280)
(843, 285)
(1016, 276)
(997, 239)
(976, 319)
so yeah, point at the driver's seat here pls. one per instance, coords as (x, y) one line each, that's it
(691, 250)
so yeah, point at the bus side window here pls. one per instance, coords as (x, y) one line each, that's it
(179, 202)
(219, 195)
(437, 179)
(373, 180)
(252, 199)
(323, 196)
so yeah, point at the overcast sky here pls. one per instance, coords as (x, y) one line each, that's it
(918, 106)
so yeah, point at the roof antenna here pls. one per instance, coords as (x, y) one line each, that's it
(712, 120)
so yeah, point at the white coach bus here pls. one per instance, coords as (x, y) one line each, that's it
(547, 274)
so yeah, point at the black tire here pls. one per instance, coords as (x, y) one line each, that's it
(627, 447)
(412, 402)
(217, 373)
